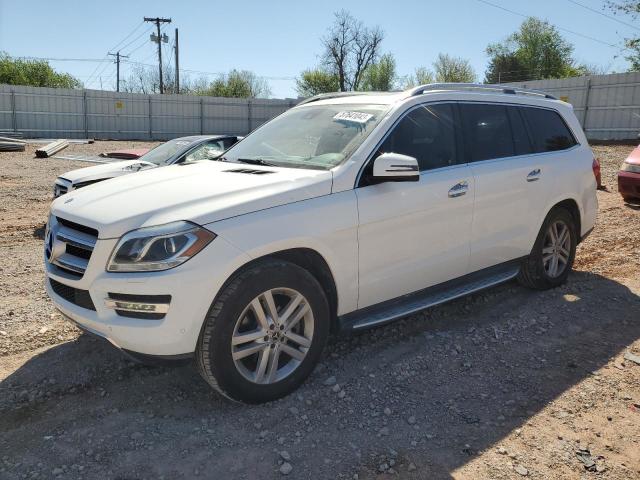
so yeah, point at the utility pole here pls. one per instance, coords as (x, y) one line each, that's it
(159, 39)
(175, 47)
(117, 62)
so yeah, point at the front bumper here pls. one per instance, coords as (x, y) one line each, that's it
(629, 184)
(192, 287)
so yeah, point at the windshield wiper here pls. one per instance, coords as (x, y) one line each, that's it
(257, 161)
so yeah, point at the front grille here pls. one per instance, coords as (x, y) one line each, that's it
(59, 190)
(78, 252)
(69, 246)
(76, 296)
(76, 226)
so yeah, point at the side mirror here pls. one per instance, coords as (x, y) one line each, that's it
(395, 167)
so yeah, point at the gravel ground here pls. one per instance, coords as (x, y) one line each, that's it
(507, 383)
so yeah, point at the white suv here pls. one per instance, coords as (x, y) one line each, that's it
(345, 212)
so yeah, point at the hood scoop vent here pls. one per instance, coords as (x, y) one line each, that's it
(248, 171)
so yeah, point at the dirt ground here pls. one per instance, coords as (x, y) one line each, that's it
(507, 383)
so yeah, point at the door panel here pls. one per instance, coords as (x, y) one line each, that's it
(505, 209)
(413, 235)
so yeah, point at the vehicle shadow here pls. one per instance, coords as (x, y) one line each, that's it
(434, 389)
(38, 232)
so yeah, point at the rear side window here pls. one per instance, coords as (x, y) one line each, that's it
(426, 133)
(521, 140)
(487, 131)
(548, 130)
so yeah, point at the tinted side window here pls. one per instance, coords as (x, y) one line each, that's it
(487, 131)
(426, 133)
(548, 130)
(521, 141)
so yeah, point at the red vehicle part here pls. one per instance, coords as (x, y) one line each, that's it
(131, 154)
(629, 177)
(596, 172)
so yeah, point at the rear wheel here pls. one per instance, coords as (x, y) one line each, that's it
(552, 256)
(264, 333)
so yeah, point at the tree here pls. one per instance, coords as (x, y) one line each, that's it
(453, 69)
(315, 81)
(504, 66)
(629, 8)
(380, 76)
(238, 84)
(535, 51)
(33, 73)
(349, 49)
(145, 80)
(421, 76)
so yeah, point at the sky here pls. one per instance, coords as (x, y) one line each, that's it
(278, 39)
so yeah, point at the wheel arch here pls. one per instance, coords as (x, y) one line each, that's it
(310, 260)
(571, 206)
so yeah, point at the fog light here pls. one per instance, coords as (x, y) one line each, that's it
(136, 306)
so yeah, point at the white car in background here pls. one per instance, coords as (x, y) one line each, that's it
(345, 212)
(198, 147)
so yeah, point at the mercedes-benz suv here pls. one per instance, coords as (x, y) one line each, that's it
(345, 212)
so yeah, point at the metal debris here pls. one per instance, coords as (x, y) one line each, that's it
(52, 148)
(11, 146)
(632, 357)
(584, 455)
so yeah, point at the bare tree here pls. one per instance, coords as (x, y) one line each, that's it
(350, 48)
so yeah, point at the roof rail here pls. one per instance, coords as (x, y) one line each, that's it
(477, 86)
(326, 96)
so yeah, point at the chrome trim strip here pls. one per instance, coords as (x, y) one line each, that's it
(70, 264)
(76, 241)
(127, 306)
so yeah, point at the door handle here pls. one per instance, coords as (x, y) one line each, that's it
(459, 189)
(534, 175)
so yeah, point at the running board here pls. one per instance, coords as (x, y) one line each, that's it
(414, 302)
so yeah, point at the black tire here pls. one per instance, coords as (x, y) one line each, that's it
(532, 272)
(214, 350)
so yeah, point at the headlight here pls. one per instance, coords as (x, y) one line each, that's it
(158, 248)
(630, 167)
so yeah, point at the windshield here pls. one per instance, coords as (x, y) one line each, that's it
(166, 151)
(314, 136)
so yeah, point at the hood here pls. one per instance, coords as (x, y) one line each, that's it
(202, 192)
(106, 170)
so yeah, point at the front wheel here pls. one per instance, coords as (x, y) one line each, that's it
(552, 256)
(264, 333)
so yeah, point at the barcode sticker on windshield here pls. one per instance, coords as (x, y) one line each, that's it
(357, 117)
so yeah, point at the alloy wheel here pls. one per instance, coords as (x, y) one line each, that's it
(556, 249)
(272, 335)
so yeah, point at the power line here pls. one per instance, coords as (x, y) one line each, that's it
(96, 72)
(125, 38)
(142, 63)
(610, 17)
(559, 28)
(142, 34)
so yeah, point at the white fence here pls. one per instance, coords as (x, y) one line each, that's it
(608, 106)
(66, 113)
